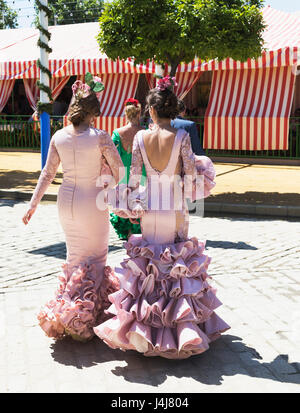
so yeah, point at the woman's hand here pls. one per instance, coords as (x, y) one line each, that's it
(27, 217)
(137, 212)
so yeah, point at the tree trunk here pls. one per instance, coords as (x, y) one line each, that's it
(174, 66)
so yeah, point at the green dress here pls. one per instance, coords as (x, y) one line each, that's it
(123, 226)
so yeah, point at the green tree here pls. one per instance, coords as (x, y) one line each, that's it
(8, 16)
(74, 11)
(176, 31)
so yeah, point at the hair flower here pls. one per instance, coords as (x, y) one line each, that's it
(94, 82)
(166, 82)
(131, 101)
(81, 89)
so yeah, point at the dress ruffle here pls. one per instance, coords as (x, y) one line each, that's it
(165, 306)
(123, 227)
(205, 169)
(79, 304)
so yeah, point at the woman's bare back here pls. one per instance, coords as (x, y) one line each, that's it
(159, 144)
(127, 134)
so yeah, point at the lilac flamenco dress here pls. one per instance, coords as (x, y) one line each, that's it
(85, 282)
(165, 305)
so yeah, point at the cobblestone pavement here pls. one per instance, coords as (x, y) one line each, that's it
(255, 268)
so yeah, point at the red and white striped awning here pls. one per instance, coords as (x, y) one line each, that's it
(249, 109)
(76, 51)
(250, 102)
(281, 41)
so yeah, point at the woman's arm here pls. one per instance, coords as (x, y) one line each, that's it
(136, 167)
(136, 170)
(188, 158)
(46, 177)
(198, 172)
(111, 154)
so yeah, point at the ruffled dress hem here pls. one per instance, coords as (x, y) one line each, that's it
(80, 303)
(165, 306)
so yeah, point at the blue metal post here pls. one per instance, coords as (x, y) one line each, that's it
(45, 136)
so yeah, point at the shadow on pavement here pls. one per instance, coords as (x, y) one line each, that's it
(59, 250)
(8, 202)
(23, 180)
(55, 250)
(226, 245)
(227, 356)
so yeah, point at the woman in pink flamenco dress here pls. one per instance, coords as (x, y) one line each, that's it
(84, 151)
(165, 305)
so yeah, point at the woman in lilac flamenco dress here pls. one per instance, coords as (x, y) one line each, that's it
(165, 305)
(84, 151)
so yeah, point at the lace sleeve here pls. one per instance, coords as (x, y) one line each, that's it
(111, 154)
(136, 164)
(188, 158)
(198, 172)
(47, 175)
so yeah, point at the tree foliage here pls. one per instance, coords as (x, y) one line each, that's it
(74, 11)
(176, 31)
(8, 16)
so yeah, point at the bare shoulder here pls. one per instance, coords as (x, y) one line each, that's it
(149, 134)
(167, 133)
(122, 129)
(173, 130)
(128, 130)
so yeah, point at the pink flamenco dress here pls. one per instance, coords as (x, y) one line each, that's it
(85, 281)
(165, 305)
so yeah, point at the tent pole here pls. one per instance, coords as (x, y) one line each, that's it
(45, 136)
(44, 80)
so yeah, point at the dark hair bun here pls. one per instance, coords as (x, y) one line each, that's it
(165, 103)
(80, 108)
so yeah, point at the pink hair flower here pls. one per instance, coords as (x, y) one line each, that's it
(77, 85)
(166, 82)
(97, 79)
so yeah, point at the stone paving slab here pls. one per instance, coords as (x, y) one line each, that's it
(255, 268)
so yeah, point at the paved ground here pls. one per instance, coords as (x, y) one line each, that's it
(255, 268)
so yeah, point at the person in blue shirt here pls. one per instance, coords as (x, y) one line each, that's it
(190, 127)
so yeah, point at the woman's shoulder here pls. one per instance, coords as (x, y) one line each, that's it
(64, 130)
(60, 134)
(103, 137)
(183, 134)
(101, 133)
(141, 132)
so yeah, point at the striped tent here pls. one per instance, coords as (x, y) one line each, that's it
(249, 103)
(75, 52)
